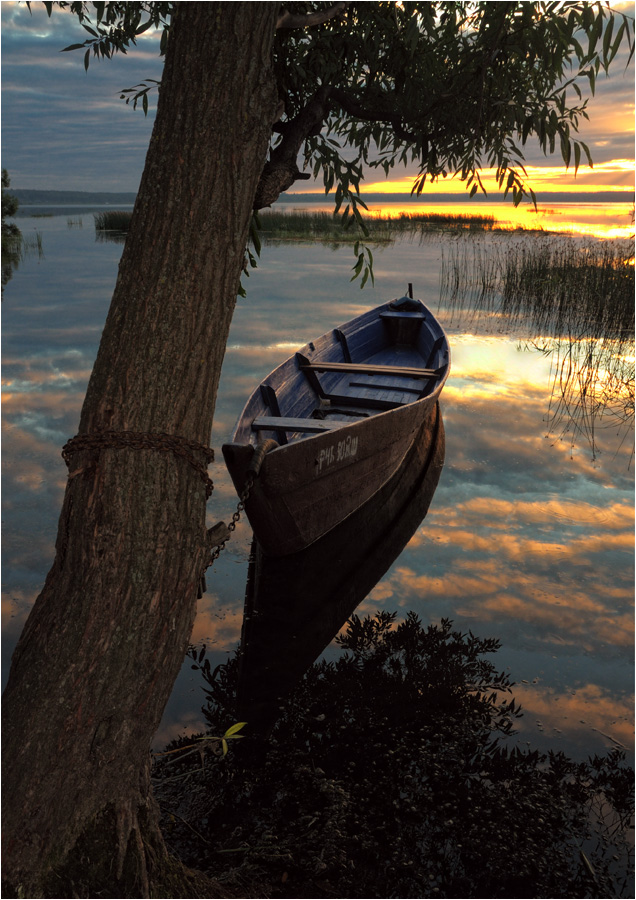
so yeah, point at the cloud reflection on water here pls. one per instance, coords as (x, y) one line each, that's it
(525, 540)
(590, 707)
(512, 543)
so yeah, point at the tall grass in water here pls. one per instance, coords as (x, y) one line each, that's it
(308, 225)
(112, 224)
(16, 247)
(577, 300)
(435, 221)
(31, 245)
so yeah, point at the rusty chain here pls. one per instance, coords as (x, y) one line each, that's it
(220, 547)
(253, 470)
(249, 482)
(179, 446)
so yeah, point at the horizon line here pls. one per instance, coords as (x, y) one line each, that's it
(387, 197)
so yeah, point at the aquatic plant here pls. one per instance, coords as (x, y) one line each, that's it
(389, 774)
(11, 237)
(307, 225)
(576, 299)
(16, 247)
(316, 225)
(112, 220)
(558, 286)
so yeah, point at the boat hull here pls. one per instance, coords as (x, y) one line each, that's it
(295, 605)
(305, 489)
(306, 486)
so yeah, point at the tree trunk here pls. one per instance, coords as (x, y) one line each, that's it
(102, 647)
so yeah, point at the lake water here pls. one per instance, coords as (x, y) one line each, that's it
(529, 538)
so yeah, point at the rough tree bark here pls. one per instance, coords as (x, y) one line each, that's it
(102, 647)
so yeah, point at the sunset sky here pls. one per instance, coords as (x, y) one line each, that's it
(66, 129)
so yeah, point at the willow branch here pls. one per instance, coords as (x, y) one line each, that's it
(281, 170)
(296, 20)
(372, 114)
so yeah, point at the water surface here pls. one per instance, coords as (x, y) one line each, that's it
(529, 537)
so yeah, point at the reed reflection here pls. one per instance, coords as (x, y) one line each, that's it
(296, 605)
(578, 299)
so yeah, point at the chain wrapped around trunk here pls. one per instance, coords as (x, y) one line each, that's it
(180, 447)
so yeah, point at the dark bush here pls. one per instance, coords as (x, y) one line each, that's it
(390, 774)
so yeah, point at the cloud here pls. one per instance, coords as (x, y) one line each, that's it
(486, 547)
(67, 129)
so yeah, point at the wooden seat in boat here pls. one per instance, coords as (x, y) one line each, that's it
(357, 400)
(282, 423)
(368, 369)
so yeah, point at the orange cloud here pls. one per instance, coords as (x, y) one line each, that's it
(531, 562)
(587, 707)
(213, 627)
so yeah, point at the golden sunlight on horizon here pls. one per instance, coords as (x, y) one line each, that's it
(598, 220)
(614, 175)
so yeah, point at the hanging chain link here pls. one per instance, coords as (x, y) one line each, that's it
(240, 508)
(249, 483)
(253, 470)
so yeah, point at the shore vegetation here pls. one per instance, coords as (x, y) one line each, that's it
(393, 772)
(112, 220)
(316, 225)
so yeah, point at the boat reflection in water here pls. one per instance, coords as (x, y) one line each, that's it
(296, 605)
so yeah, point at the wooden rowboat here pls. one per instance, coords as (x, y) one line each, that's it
(343, 413)
(295, 605)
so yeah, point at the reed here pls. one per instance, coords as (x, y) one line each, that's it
(112, 220)
(30, 245)
(306, 225)
(443, 221)
(576, 300)
(16, 247)
(560, 286)
(301, 225)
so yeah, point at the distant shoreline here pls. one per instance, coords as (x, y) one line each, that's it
(28, 197)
